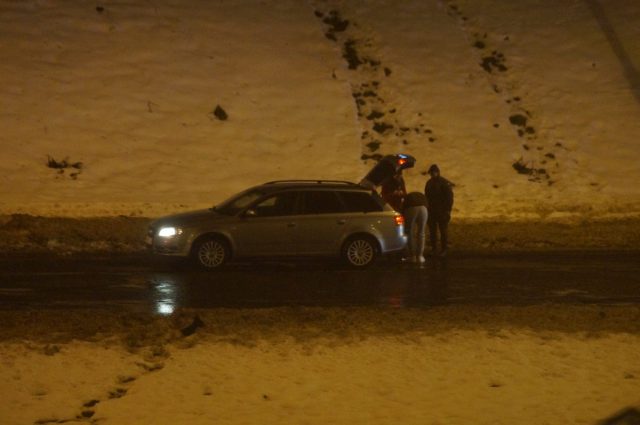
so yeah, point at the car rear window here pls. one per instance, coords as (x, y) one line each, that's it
(321, 202)
(361, 202)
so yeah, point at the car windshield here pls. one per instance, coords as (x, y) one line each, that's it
(237, 203)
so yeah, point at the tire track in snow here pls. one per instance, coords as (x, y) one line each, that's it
(382, 130)
(538, 154)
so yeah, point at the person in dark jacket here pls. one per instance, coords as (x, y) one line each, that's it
(415, 222)
(394, 190)
(385, 168)
(439, 194)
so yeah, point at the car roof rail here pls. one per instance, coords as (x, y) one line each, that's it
(314, 181)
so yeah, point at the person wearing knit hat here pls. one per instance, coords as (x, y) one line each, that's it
(439, 194)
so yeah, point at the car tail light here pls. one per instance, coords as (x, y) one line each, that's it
(399, 220)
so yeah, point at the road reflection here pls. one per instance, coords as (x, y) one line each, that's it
(277, 285)
(416, 287)
(166, 295)
(164, 287)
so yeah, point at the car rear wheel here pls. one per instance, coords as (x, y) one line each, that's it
(360, 251)
(211, 253)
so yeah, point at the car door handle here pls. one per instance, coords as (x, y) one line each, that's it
(291, 224)
(343, 221)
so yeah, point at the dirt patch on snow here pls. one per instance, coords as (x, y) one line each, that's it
(26, 233)
(513, 236)
(304, 324)
(20, 233)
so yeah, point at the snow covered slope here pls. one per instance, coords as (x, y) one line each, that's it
(144, 107)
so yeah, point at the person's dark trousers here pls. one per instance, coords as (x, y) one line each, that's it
(438, 222)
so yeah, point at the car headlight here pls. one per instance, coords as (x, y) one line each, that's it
(169, 231)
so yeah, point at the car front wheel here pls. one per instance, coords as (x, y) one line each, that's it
(360, 251)
(211, 253)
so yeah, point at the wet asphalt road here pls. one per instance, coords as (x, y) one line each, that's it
(144, 283)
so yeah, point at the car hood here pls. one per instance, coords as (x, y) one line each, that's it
(187, 218)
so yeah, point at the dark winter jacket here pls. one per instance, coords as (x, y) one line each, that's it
(439, 194)
(415, 199)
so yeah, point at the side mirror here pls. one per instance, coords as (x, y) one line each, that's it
(250, 213)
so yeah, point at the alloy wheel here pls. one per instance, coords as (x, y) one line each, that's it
(360, 252)
(212, 254)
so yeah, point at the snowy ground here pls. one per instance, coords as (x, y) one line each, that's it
(529, 107)
(446, 365)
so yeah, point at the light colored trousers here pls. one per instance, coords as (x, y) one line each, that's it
(415, 222)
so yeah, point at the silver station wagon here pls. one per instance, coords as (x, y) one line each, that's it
(284, 218)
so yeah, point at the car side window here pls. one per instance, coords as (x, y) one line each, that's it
(360, 202)
(321, 202)
(277, 205)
